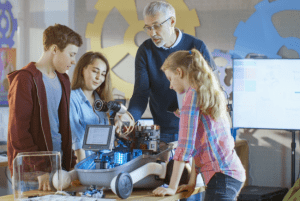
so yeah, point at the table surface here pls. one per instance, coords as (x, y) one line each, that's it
(3, 159)
(137, 194)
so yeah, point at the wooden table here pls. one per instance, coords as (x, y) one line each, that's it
(137, 194)
(3, 163)
(241, 147)
(242, 150)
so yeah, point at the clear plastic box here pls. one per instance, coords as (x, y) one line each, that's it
(28, 166)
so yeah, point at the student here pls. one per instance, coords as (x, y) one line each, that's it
(38, 100)
(204, 130)
(91, 82)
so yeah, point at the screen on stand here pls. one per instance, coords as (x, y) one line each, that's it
(98, 137)
(266, 93)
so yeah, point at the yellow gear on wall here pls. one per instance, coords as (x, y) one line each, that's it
(186, 20)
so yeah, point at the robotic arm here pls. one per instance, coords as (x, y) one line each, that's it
(114, 106)
(120, 118)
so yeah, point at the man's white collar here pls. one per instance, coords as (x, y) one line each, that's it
(177, 40)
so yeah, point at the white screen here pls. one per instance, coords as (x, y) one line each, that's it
(266, 93)
(97, 135)
(146, 122)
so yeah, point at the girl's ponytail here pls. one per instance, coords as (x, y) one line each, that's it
(211, 100)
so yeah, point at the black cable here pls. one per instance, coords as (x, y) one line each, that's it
(299, 171)
(7, 176)
(229, 106)
(299, 159)
(226, 94)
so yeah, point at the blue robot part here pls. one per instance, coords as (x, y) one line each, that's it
(121, 158)
(258, 34)
(219, 53)
(137, 153)
(9, 20)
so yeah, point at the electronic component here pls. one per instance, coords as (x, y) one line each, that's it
(148, 137)
(99, 137)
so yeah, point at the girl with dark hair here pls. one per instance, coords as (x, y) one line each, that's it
(91, 81)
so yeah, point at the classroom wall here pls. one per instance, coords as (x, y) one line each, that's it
(225, 26)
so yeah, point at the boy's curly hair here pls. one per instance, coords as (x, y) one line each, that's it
(61, 36)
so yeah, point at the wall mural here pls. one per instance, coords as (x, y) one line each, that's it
(8, 27)
(7, 65)
(8, 24)
(127, 9)
(225, 70)
(258, 35)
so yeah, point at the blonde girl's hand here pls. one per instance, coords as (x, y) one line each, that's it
(188, 187)
(161, 191)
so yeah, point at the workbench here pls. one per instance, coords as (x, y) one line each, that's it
(3, 162)
(137, 194)
(241, 147)
(3, 159)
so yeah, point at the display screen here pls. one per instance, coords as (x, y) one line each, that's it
(98, 135)
(146, 122)
(266, 93)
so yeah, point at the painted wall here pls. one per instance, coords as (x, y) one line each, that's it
(227, 28)
(232, 27)
(33, 17)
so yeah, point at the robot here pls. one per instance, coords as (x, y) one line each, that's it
(120, 162)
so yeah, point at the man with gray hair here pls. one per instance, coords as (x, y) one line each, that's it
(150, 81)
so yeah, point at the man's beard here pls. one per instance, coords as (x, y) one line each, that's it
(160, 44)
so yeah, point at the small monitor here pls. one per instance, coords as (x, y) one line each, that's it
(99, 137)
(146, 122)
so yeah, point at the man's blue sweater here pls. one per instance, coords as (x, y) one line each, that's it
(151, 82)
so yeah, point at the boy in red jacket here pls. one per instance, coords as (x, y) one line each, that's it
(39, 97)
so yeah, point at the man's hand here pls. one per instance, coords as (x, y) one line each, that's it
(44, 182)
(161, 191)
(187, 187)
(177, 113)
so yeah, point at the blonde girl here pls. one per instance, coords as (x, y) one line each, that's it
(204, 130)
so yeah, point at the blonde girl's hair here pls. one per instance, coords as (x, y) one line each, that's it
(210, 97)
(105, 89)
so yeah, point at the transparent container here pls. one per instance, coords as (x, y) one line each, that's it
(30, 167)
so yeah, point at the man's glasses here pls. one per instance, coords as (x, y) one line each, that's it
(155, 27)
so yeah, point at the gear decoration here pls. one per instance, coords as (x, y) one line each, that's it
(127, 9)
(222, 69)
(11, 24)
(258, 34)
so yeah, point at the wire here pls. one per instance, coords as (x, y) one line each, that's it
(299, 171)
(128, 128)
(7, 175)
(299, 159)
(172, 153)
(227, 95)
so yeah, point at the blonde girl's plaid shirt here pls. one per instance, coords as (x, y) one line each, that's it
(208, 141)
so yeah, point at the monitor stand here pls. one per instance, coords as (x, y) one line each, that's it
(293, 147)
